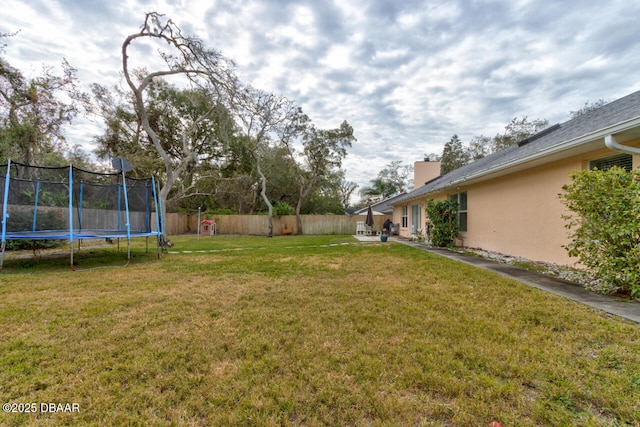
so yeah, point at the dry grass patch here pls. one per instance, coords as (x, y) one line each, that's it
(309, 331)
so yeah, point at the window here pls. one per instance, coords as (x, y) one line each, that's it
(625, 161)
(416, 220)
(461, 199)
(405, 216)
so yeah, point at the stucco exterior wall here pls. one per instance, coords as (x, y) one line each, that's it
(518, 214)
(521, 214)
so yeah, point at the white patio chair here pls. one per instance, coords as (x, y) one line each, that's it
(360, 228)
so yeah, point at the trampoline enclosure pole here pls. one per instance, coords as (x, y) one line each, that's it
(35, 206)
(126, 209)
(4, 211)
(155, 200)
(161, 229)
(4, 202)
(119, 191)
(80, 209)
(71, 212)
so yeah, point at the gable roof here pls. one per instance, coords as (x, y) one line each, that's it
(582, 134)
(383, 207)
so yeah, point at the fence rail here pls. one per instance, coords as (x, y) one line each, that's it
(225, 224)
(258, 224)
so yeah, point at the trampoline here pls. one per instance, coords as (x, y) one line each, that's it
(69, 203)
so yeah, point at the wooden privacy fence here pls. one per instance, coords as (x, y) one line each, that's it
(258, 224)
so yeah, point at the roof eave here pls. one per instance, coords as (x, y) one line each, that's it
(565, 149)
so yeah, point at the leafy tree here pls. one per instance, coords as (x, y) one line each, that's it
(235, 187)
(517, 130)
(345, 190)
(74, 155)
(454, 155)
(588, 107)
(33, 112)
(327, 197)
(198, 67)
(187, 122)
(321, 153)
(379, 187)
(279, 170)
(399, 175)
(605, 226)
(479, 147)
(122, 136)
(216, 135)
(432, 157)
(263, 118)
(283, 208)
(394, 178)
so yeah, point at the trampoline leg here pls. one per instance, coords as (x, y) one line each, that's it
(2, 257)
(71, 256)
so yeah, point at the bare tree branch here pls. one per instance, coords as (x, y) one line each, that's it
(188, 58)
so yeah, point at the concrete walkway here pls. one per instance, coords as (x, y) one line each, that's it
(626, 309)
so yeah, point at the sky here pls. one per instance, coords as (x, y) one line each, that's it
(406, 74)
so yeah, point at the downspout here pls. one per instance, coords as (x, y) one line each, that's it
(612, 144)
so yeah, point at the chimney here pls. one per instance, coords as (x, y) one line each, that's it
(424, 171)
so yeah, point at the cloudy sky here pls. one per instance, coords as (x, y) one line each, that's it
(406, 74)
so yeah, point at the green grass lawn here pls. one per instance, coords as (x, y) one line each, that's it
(305, 330)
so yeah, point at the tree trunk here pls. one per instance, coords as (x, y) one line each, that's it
(299, 218)
(263, 193)
(162, 198)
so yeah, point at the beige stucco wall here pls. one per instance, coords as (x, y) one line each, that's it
(519, 214)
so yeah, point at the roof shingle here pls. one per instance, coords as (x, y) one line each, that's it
(608, 115)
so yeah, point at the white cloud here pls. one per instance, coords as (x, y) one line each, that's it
(406, 75)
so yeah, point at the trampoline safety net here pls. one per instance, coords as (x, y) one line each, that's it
(38, 202)
(67, 203)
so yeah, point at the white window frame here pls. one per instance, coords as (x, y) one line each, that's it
(463, 208)
(405, 216)
(416, 218)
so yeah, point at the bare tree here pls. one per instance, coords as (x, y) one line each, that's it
(184, 57)
(346, 190)
(263, 118)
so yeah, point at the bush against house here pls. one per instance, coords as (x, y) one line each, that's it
(605, 226)
(442, 215)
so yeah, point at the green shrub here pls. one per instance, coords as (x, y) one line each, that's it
(222, 211)
(442, 215)
(283, 208)
(605, 226)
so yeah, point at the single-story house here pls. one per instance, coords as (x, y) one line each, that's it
(509, 200)
(381, 207)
